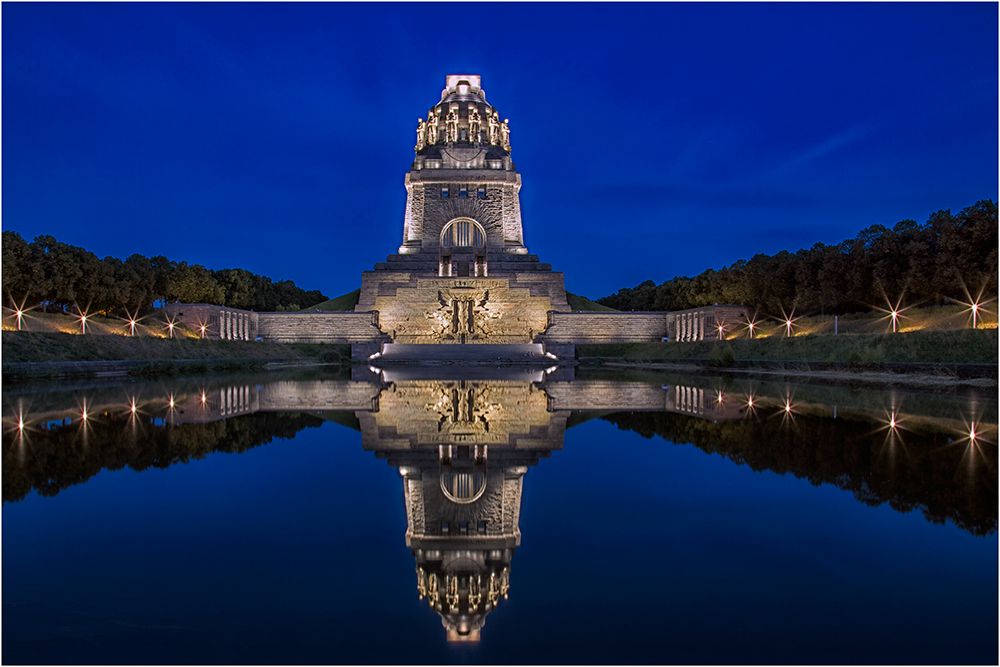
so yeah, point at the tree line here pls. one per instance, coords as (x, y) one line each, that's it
(930, 262)
(50, 273)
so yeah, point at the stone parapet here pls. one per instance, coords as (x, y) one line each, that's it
(706, 323)
(215, 322)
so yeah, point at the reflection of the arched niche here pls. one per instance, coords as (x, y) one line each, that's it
(462, 448)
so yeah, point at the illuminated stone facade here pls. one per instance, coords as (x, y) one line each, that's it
(462, 273)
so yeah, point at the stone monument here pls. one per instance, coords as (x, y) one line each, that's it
(462, 273)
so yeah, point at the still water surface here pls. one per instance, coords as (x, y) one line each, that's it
(514, 517)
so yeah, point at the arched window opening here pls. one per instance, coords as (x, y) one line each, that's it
(463, 233)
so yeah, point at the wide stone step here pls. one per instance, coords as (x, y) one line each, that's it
(527, 353)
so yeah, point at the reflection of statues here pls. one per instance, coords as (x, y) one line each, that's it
(421, 133)
(432, 129)
(505, 135)
(474, 124)
(494, 128)
(451, 125)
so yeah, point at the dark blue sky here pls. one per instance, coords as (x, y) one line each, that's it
(653, 140)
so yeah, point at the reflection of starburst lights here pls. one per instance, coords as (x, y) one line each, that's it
(788, 409)
(202, 330)
(893, 423)
(719, 397)
(203, 398)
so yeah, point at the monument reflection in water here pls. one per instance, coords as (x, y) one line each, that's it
(463, 446)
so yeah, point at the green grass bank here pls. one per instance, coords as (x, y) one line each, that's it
(180, 355)
(966, 346)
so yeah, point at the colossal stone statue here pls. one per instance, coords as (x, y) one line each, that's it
(494, 129)
(432, 128)
(451, 124)
(474, 124)
(421, 134)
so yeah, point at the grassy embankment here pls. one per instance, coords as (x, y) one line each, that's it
(863, 350)
(57, 338)
(578, 303)
(338, 304)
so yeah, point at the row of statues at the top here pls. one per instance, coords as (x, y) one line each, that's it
(497, 133)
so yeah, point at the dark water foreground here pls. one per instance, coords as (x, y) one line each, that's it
(511, 516)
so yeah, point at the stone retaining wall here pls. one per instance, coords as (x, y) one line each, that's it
(583, 328)
(316, 327)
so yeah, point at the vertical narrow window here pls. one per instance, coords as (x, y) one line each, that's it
(444, 193)
(482, 193)
(463, 192)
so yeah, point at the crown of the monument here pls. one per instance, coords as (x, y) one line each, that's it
(463, 117)
(462, 86)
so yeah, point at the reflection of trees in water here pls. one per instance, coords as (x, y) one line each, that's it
(942, 475)
(52, 459)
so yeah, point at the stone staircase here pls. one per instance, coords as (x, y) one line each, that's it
(531, 353)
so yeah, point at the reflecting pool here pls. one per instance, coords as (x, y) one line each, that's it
(512, 515)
